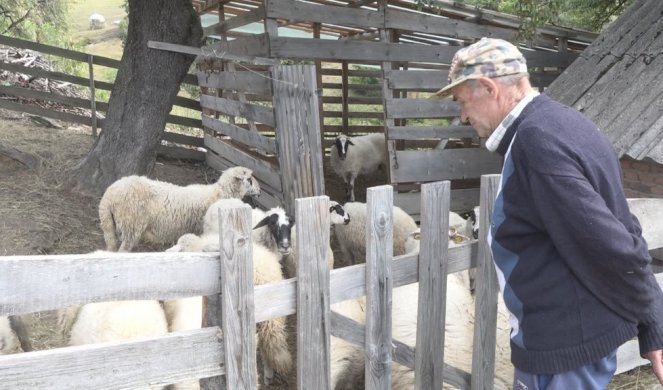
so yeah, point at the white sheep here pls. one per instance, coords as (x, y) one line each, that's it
(460, 231)
(271, 334)
(337, 216)
(8, 341)
(458, 340)
(120, 321)
(136, 208)
(351, 238)
(353, 156)
(459, 330)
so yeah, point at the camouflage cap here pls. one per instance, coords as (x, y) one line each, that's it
(489, 57)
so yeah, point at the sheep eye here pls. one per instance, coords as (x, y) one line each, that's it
(331, 209)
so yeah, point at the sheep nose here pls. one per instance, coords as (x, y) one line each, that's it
(343, 158)
(347, 221)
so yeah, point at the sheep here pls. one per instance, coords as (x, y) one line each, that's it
(273, 230)
(120, 321)
(460, 230)
(271, 334)
(351, 238)
(459, 330)
(338, 216)
(459, 334)
(353, 156)
(8, 340)
(136, 208)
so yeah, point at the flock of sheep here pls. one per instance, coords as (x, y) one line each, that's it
(137, 209)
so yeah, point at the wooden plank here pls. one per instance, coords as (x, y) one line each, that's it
(211, 52)
(431, 132)
(60, 52)
(433, 24)
(237, 313)
(37, 283)
(184, 121)
(324, 49)
(64, 116)
(249, 17)
(254, 47)
(353, 72)
(313, 344)
(278, 299)
(51, 97)
(182, 139)
(329, 14)
(180, 153)
(421, 108)
(249, 82)
(486, 293)
(420, 80)
(446, 164)
(432, 285)
(251, 139)
(118, 365)
(233, 107)
(379, 249)
(261, 169)
(298, 132)
(55, 76)
(352, 99)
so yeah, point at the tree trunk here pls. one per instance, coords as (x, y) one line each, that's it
(146, 83)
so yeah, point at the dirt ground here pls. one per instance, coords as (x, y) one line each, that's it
(37, 216)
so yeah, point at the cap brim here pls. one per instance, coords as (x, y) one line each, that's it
(446, 91)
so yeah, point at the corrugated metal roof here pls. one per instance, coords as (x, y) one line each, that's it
(618, 82)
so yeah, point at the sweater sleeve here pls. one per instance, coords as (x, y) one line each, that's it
(611, 261)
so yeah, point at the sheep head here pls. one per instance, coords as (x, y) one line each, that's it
(279, 225)
(342, 144)
(241, 182)
(338, 215)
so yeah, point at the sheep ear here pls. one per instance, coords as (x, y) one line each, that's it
(292, 222)
(262, 222)
(350, 142)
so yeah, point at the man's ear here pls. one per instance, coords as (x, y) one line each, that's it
(488, 84)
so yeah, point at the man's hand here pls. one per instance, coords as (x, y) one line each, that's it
(656, 359)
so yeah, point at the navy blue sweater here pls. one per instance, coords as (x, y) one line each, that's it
(574, 268)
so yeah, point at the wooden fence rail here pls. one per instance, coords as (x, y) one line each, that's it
(36, 283)
(91, 103)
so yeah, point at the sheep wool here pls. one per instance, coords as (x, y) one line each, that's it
(353, 156)
(185, 314)
(351, 238)
(8, 340)
(136, 208)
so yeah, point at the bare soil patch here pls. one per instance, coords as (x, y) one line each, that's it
(38, 216)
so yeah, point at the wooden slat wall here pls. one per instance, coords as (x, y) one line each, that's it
(445, 164)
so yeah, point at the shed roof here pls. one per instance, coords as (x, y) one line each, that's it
(547, 36)
(617, 82)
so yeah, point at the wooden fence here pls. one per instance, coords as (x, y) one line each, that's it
(37, 283)
(90, 84)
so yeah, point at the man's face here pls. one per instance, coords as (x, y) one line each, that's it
(477, 107)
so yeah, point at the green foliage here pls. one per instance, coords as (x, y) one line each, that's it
(364, 80)
(37, 20)
(592, 15)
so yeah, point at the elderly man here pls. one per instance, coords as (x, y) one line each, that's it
(571, 261)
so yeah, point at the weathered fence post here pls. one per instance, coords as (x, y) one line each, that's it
(313, 322)
(298, 132)
(487, 290)
(379, 256)
(433, 259)
(237, 309)
(93, 97)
